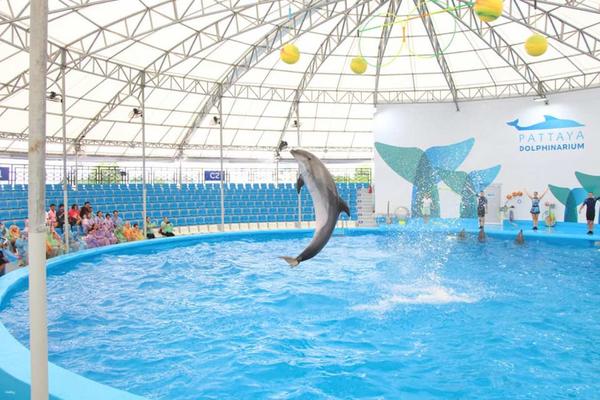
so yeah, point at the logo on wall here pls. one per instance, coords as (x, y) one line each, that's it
(552, 134)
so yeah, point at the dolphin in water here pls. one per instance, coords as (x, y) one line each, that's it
(462, 235)
(481, 236)
(550, 122)
(328, 204)
(520, 239)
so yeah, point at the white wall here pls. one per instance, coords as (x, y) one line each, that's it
(426, 125)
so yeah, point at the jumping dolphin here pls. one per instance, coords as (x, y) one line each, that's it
(481, 236)
(328, 204)
(550, 122)
(520, 239)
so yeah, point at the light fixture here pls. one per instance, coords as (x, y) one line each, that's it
(541, 99)
(282, 146)
(54, 97)
(136, 113)
(216, 120)
(296, 124)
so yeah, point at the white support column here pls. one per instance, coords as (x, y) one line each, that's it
(222, 173)
(66, 226)
(144, 194)
(299, 144)
(38, 323)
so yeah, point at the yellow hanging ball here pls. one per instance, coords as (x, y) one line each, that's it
(488, 10)
(536, 45)
(289, 54)
(358, 65)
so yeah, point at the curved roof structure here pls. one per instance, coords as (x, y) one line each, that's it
(193, 57)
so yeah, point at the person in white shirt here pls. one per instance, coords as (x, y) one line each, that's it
(426, 208)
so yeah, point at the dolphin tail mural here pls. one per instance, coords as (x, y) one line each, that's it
(570, 198)
(467, 185)
(591, 183)
(421, 168)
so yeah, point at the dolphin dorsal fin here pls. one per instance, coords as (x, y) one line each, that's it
(343, 206)
(549, 118)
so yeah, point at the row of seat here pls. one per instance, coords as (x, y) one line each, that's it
(192, 208)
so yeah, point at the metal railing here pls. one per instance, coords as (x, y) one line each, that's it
(105, 174)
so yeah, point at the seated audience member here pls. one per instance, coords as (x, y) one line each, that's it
(99, 218)
(13, 234)
(54, 243)
(21, 249)
(85, 210)
(74, 217)
(137, 232)
(166, 228)
(116, 219)
(3, 258)
(60, 217)
(86, 223)
(51, 215)
(108, 223)
(150, 226)
(3, 230)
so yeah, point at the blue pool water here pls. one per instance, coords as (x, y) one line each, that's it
(377, 315)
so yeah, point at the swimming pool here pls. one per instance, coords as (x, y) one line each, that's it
(378, 314)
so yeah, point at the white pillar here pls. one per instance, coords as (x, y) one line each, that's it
(66, 226)
(143, 106)
(222, 173)
(38, 324)
(298, 141)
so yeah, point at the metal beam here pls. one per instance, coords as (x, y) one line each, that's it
(317, 12)
(487, 34)
(437, 48)
(525, 13)
(128, 90)
(386, 31)
(346, 26)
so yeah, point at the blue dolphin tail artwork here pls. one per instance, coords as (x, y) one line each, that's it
(591, 183)
(549, 122)
(421, 168)
(467, 185)
(570, 198)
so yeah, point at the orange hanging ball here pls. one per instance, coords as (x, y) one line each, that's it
(289, 54)
(520, 193)
(508, 197)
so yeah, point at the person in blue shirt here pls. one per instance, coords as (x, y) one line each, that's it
(590, 212)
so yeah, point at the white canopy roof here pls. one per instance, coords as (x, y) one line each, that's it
(189, 54)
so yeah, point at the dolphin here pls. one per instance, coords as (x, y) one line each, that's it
(520, 239)
(481, 236)
(462, 235)
(550, 122)
(327, 202)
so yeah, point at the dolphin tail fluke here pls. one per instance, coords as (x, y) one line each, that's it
(591, 183)
(344, 207)
(561, 193)
(483, 178)
(293, 261)
(514, 123)
(579, 194)
(454, 179)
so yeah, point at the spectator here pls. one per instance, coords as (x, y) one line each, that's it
(86, 223)
(150, 226)
(51, 215)
(3, 230)
(116, 219)
(166, 228)
(85, 210)
(3, 258)
(74, 217)
(137, 234)
(99, 220)
(60, 217)
(108, 223)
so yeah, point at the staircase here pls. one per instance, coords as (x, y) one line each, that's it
(365, 208)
